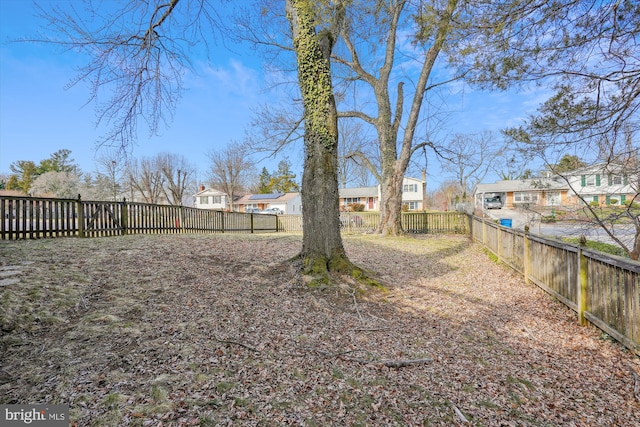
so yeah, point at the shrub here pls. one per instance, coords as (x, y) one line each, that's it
(594, 204)
(357, 207)
(631, 204)
(613, 201)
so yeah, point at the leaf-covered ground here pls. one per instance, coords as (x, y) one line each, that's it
(212, 330)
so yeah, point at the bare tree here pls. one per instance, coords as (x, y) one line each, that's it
(112, 165)
(178, 173)
(377, 60)
(145, 180)
(469, 158)
(231, 170)
(351, 148)
(140, 62)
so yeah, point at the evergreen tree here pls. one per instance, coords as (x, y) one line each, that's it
(264, 182)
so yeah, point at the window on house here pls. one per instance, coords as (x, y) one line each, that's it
(591, 180)
(204, 200)
(616, 180)
(553, 198)
(216, 199)
(525, 197)
(412, 206)
(350, 200)
(410, 188)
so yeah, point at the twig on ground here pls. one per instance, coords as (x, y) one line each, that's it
(355, 303)
(403, 363)
(388, 363)
(458, 413)
(255, 350)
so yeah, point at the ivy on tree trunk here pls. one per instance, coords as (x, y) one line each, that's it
(322, 248)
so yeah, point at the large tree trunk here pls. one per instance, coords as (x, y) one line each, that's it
(391, 202)
(322, 248)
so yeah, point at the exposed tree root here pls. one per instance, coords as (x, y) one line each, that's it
(322, 271)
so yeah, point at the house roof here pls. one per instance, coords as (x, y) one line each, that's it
(538, 184)
(358, 192)
(209, 192)
(15, 193)
(267, 198)
(602, 167)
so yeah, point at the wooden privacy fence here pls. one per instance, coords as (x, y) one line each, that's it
(32, 218)
(413, 222)
(603, 289)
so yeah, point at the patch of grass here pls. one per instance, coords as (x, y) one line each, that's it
(337, 373)
(113, 400)
(240, 402)
(158, 393)
(223, 387)
(299, 374)
(526, 383)
(493, 257)
(207, 421)
(354, 383)
(599, 246)
(487, 404)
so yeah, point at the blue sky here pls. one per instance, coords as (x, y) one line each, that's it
(38, 116)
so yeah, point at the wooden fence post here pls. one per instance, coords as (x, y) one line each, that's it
(527, 255)
(582, 282)
(80, 216)
(181, 220)
(499, 248)
(484, 232)
(125, 217)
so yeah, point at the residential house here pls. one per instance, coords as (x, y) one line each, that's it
(210, 198)
(602, 183)
(369, 197)
(289, 203)
(524, 192)
(412, 196)
(413, 193)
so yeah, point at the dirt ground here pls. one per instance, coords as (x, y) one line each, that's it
(217, 330)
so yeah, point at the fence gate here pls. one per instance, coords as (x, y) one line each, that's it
(103, 219)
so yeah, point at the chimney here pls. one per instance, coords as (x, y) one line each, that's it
(201, 187)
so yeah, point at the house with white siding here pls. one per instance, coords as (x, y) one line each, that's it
(412, 196)
(210, 198)
(289, 203)
(603, 184)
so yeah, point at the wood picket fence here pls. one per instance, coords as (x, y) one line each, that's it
(602, 289)
(33, 218)
(412, 222)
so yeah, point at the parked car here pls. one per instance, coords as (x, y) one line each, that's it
(492, 203)
(272, 211)
(252, 210)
